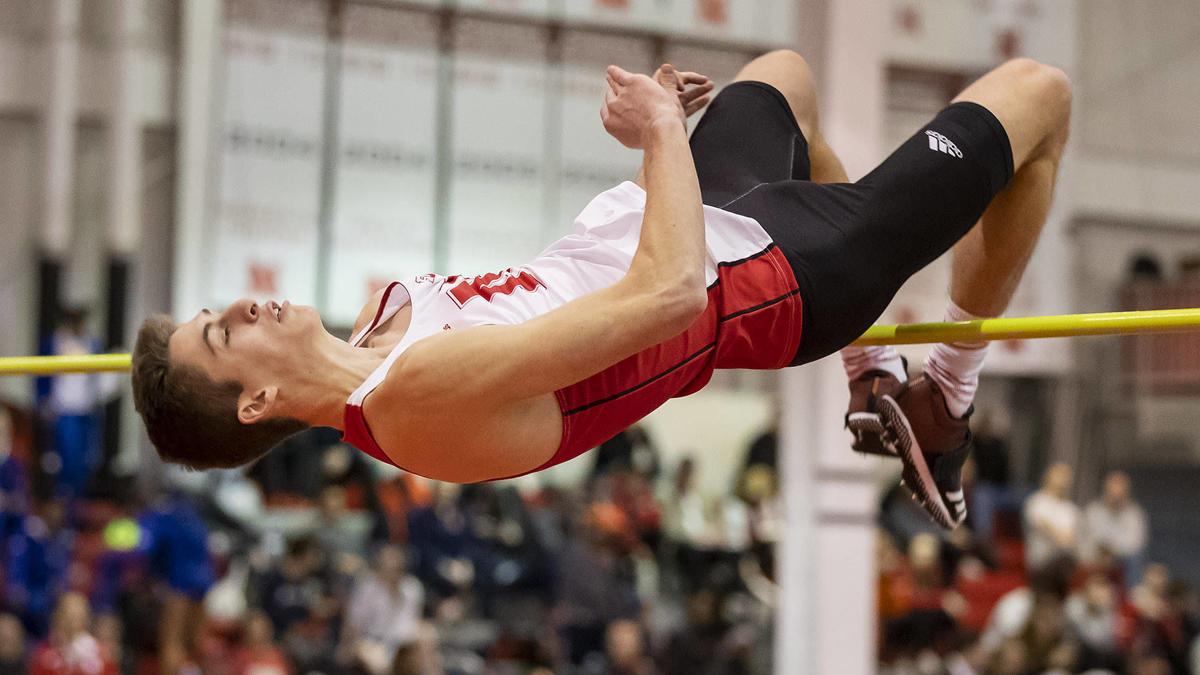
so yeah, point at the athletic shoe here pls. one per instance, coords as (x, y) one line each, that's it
(862, 416)
(933, 445)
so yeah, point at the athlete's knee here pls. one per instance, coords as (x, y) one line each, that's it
(789, 58)
(790, 73)
(1051, 89)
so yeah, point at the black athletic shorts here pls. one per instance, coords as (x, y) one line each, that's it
(851, 245)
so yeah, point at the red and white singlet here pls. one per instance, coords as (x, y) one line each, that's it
(753, 319)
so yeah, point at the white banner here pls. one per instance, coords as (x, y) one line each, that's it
(265, 240)
(497, 205)
(383, 217)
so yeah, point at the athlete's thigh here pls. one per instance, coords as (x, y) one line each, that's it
(747, 137)
(933, 189)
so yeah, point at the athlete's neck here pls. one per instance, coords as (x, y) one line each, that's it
(318, 394)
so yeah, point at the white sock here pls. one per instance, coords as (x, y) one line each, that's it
(955, 366)
(858, 360)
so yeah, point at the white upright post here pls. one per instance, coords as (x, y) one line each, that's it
(199, 58)
(62, 59)
(125, 130)
(826, 617)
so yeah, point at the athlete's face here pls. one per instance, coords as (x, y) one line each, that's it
(256, 345)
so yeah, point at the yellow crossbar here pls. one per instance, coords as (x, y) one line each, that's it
(1017, 328)
(1030, 327)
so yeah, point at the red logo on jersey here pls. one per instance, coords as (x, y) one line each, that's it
(490, 284)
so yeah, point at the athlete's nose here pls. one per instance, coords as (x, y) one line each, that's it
(243, 310)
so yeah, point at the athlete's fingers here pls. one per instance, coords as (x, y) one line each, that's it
(696, 105)
(665, 81)
(688, 77)
(612, 85)
(668, 77)
(696, 92)
(620, 75)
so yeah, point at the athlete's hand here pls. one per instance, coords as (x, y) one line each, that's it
(693, 89)
(636, 104)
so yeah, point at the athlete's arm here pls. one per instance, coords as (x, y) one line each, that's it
(647, 114)
(662, 294)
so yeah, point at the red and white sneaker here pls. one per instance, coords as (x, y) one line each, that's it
(862, 415)
(933, 445)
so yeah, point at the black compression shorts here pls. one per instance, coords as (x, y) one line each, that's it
(850, 245)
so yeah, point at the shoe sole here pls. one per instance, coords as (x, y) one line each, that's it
(860, 423)
(916, 470)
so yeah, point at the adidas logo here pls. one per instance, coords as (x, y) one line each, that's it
(942, 144)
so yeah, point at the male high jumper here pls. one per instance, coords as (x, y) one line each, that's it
(746, 247)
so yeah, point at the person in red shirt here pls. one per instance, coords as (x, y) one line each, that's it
(71, 649)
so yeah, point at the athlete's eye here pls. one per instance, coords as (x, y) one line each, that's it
(226, 334)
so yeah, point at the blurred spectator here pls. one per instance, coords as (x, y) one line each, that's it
(1117, 524)
(14, 479)
(759, 491)
(1051, 519)
(153, 572)
(1015, 610)
(342, 533)
(384, 614)
(693, 648)
(764, 449)
(12, 645)
(110, 634)
(294, 469)
(258, 654)
(709, 643)
(625, 648)
(923, 606)
(442, 543)
(630, 450)
(70, 404)
(294, 591)
(993, 492)
(684, 524)
(36, 558)
(596, 585)
(1164, 619)
(1092, 612)
(298, 598)
(71, 649)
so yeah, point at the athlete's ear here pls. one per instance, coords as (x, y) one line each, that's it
(256, 406)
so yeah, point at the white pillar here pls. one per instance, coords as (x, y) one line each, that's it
(125, 129)
(62, 60)
(826, 618)
(199, 60)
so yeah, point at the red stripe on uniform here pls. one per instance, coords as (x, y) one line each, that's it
(753, 320)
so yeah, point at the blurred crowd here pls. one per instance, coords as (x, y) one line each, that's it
(318, 560)
(1034, 584)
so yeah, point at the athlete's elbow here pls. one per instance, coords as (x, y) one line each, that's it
(681, 305)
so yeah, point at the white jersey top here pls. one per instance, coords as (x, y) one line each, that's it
(596, 254)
